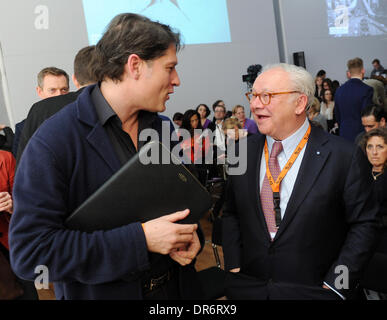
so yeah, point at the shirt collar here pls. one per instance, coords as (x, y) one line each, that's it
(102, 107)
(105, 111)
(290, 143)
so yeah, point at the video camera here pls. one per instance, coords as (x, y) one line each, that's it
(252, 73)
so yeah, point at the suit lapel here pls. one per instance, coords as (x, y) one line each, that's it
(99, 140)
(254, 178)
(315, 156)
(96, 136)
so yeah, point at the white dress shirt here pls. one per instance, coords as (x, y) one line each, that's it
(289, 145)
(220, 139)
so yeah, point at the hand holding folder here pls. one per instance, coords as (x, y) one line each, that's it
(180, 241)
(140, 193)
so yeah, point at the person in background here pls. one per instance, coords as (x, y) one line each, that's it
(13, 288)
(233, 131)
(7, 173)
(372, 117)
(327, 85)
(350, 99)
(379, 97)
(204, 112)
(318, 87)
(328, 107)
(378, 68)
(219, 141)
(335, 86)
(178, 119)
(239, 112)
(6, 140)
(321, 73)
(52, 82)
(218, 103)
(374, 144)
(314, 115)
(196, 146)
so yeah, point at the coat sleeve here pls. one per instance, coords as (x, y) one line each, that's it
(231, 239)
(336, 111)
(38, 235)
(368, 97)
(361, 209)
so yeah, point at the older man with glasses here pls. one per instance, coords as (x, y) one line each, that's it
(301, 222)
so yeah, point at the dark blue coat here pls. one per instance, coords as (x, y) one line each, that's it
(350, 99)
(69, 157)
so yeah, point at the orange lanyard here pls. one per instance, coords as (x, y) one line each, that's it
(275, 185)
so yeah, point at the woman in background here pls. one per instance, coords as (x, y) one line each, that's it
(10, 287)
(374, 144)
(327, 108)
(315, 116)
(204, 112)
(7, 173)
(319, 87)
(196, 145)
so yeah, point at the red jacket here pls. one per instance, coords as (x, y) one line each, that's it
(7, 173)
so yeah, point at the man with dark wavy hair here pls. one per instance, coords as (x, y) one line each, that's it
(76, 151)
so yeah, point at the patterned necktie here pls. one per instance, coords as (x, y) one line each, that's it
(267, 192)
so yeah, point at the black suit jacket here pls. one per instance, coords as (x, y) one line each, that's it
(330, 221)
(350, 99)
(39, 112)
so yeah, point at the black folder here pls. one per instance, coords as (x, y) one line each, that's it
(140, 192)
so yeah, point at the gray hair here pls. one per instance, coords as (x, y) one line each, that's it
(301, 79)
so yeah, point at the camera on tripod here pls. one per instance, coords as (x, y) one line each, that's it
(252, 73)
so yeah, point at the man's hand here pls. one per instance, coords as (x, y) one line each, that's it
(6, 203)
(164, 236)
(184, 256)
(235, 270)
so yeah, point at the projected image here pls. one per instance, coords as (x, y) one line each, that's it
(353, 18)
(199, 21)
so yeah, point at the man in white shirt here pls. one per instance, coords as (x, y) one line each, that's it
(220, 112)
(300, 223)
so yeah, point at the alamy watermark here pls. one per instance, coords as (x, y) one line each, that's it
(198, 151)
(342, 280)
(42, 280)
(42, 17)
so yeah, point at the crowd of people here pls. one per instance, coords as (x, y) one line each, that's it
(316, 159)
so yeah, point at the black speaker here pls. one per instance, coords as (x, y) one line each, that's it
(299, 59)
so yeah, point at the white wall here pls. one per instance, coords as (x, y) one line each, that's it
(212, 72)
(208, 72)
(305, 28)
(27, 49)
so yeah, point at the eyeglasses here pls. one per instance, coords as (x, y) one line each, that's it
(265, 97)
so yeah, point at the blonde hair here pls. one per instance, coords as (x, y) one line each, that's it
(315, 106)
(234, 110)
(230, 123)
(355, 65)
